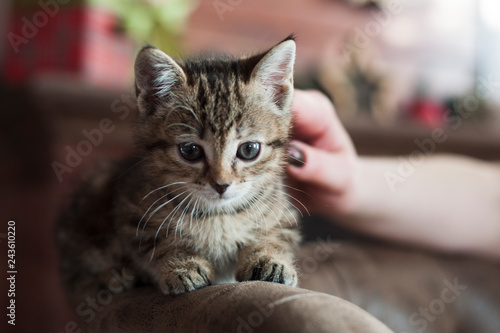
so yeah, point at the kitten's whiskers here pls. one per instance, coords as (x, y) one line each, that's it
(181, 219)
(159, 207)
(151, 206)
(285, 206)
(161, 225)
(298, 190)
(294, 198)
(161, 187)
(144, 227)
(255, 202)
(193, 211)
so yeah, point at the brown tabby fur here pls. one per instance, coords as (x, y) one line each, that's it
(161, 220)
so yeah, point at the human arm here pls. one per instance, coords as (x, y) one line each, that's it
(449, 203)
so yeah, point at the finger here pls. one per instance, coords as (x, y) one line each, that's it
(331, 171)
(316, 122)
(309, 198)
(300, 197)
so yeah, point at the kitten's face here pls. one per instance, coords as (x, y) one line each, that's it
(216, 130)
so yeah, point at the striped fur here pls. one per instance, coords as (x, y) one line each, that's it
(163, 219)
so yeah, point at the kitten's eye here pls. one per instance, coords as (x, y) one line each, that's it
(191, 152)
(248, 150)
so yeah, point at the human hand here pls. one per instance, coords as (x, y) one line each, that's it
(326, 182)
(433, 209)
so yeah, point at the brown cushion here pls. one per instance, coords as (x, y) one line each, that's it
(408, 290)
(240, 307)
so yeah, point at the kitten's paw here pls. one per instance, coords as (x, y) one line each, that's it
(268, 268)
(187, 275)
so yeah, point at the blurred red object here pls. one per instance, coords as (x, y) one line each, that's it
(427, 112)
(78, 41)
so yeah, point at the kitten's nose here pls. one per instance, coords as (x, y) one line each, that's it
(220, 188)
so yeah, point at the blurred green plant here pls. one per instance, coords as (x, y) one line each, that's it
(157, 22)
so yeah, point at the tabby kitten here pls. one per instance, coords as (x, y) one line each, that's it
(207, 203)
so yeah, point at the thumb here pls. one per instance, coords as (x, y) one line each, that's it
(331, 171)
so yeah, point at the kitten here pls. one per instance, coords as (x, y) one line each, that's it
(207, 203)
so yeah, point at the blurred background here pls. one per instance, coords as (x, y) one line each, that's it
(397, 71)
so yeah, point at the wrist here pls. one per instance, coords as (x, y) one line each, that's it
(367, 189)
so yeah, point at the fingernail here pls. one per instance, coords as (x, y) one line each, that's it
(295, 156)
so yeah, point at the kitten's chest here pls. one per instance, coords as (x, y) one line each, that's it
(219, 238)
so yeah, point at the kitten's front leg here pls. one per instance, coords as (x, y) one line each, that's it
(179, 275)
(267, 267)
(271, 260)
(175, 270)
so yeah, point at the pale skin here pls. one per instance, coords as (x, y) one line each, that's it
(449, 203)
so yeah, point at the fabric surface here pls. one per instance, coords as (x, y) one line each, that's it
(240, 307)
(408, 290)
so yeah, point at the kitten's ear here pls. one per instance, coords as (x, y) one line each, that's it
(157, 79)
(274, 73)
